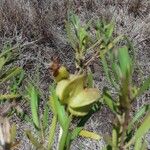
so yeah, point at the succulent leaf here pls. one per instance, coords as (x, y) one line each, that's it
(69, 88)
(81, 104)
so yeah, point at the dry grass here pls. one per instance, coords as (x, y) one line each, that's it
(28, 20)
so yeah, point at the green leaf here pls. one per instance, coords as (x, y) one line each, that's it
(114, 139)
(145, 86)
(84, 98)
(81, 104)
(52, 131)
(75, 132)
(2, 62)
(64, 136)
(125, 62)
(9, 96)
(33, 96)
(106, 69)
(141, 131)
(89, 134)
(142, 111)
(60, 110)
(109, 30)
(71, 36)
(109, 101)
(45, 117)
(10, 73)
(145, 126)
(90, 79)
(138, 144)
(65, 87)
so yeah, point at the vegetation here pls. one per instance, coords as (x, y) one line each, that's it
(73, 97)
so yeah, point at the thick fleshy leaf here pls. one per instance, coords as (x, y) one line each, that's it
(69, 88)
(84, 98)
(81, 104)
(60, 90)
(77, 112)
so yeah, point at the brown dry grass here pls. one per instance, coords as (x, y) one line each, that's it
(28, 20)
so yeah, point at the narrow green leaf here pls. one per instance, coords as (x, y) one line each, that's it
(52, 131)
(90, 80)
(60, 110)
(141, 131)
(124, 61)
(145, 126)
(45, 117)
(109, 101)
(114, 139)
(145, 86)
(71, 35)
(10, 73)
(108, 73)
(89, 134)
(64, 136)
(142, 111)
(2, 62)
(106, 69)
(114, 71)
(9, 96)
(109, 30)
(33, 96)
(75, 132)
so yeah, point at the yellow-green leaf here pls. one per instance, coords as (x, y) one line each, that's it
(89, 134)
(69, 88)
(84, 98)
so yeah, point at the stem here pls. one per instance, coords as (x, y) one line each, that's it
(63, 141)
